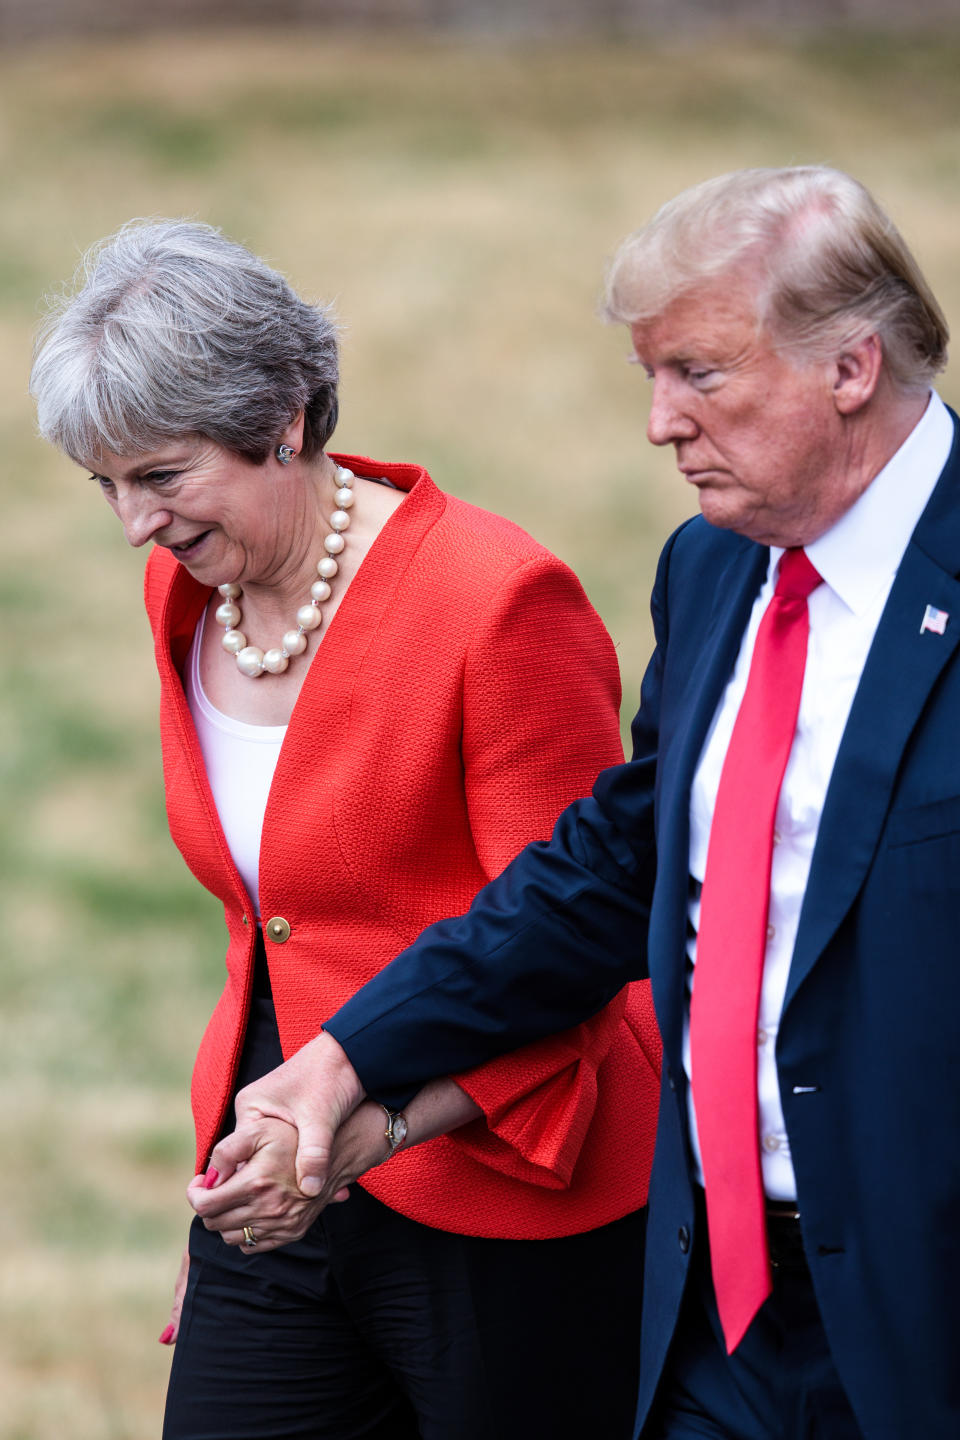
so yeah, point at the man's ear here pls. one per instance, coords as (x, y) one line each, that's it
(856, 374)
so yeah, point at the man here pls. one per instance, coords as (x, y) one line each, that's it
(783, 850)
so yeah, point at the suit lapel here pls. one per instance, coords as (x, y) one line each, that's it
(902, 668)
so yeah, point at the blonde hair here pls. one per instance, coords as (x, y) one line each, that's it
(828, 264)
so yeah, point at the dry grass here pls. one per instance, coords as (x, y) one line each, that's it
(459, 204)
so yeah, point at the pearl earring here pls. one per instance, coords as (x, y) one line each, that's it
(285, 454)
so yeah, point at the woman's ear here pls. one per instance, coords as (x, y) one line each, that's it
(292, 435)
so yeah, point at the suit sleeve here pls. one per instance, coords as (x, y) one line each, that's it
(544, 946)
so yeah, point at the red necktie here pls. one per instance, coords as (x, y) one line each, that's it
(731, 944)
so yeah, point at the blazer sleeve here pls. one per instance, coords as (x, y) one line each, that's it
(541, 708)
(544, 945)
(540, 720)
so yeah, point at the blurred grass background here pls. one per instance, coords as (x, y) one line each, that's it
(458, 202)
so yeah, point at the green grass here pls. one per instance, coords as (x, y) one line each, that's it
(459, 204)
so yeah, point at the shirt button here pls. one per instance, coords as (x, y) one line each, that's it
(762, 1037)
(771, 931)
(777, 837)
(771, 1143)
(278, 929)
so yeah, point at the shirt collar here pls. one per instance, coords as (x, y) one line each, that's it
(858, 555)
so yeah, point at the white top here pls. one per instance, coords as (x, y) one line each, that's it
(240, 760)
(858, 559)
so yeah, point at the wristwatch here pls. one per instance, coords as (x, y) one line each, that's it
(396, 1131)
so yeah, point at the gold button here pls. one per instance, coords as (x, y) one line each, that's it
(278, 929)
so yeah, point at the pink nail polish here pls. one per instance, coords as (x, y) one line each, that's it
(210, 1179)
(167, 1335)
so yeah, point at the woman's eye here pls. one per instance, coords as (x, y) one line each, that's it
(102, 481)
(160, 477)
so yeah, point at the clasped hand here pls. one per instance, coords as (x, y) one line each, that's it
(302, 1136)
(304, 1133)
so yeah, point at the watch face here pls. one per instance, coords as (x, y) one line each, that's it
(398, 1130)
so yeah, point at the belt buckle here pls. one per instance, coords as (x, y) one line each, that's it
(782, 1210)
(784, 1236)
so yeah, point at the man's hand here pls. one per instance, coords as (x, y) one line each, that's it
(314, 1091)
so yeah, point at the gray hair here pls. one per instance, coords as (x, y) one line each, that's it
(829, 265)
(171, 329)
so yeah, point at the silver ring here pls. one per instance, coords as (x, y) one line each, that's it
(248, 1237)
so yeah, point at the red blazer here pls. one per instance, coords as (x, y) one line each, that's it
(464, 693)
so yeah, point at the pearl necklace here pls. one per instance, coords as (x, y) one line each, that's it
(253, 661)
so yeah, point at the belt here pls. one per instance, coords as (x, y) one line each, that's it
(784, 1236)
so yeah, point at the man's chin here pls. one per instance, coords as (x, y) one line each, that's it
(717, 510)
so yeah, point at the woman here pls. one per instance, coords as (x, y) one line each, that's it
(372, 695)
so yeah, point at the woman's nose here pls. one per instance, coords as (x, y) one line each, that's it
(140, 513)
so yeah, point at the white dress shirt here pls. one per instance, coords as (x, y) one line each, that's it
(858, 559)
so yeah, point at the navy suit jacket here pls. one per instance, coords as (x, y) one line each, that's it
(868, 1052)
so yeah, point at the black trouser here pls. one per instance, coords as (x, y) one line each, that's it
(376, 1326)
(779, 1384)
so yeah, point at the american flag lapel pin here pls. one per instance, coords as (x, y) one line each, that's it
(934, 620)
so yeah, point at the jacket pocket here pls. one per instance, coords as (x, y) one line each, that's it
(923, 822)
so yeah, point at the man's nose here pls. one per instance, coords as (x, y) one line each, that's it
(669, 419)
(140, 512)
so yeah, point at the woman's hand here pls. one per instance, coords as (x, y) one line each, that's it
(263, 1195)
(254, 1180)
(169, 1335)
